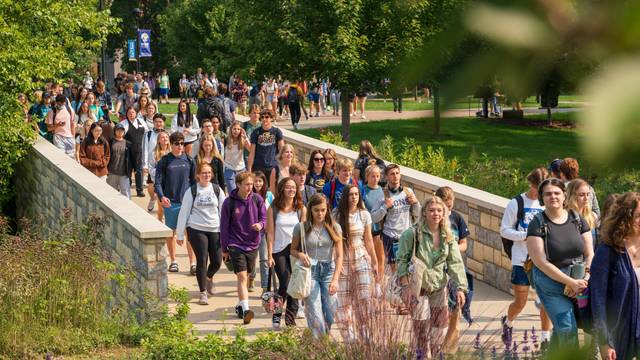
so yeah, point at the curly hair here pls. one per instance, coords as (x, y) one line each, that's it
(619, 220)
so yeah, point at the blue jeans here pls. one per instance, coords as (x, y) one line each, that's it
(319, 305)
(264, 267)
(559, 308)
(335, 100)
(230, 178)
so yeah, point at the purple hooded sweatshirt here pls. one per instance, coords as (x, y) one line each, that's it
(235, 229)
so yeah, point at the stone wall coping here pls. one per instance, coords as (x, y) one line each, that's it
(463, 192)
(138, 221)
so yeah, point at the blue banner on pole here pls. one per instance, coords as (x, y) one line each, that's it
(131, 50)
(145, 42)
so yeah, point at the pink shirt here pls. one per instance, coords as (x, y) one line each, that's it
(61, 115)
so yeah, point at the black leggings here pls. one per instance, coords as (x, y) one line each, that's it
(205, 245)
(283, 271)
(294, 111)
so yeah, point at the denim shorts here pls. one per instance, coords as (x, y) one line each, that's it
(391, 246)
(171, 215)
(519, 276)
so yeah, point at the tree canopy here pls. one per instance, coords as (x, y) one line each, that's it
(40, 41)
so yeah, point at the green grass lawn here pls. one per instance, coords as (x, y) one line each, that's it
(459, 137)
(408, 104)
(173, 108)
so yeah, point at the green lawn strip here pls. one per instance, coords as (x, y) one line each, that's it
(408, 104)
(527, 145)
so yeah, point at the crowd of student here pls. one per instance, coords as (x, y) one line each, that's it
(245, 200)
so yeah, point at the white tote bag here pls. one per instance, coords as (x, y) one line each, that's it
(300, 281)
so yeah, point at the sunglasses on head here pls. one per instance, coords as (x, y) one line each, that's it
(178, 143)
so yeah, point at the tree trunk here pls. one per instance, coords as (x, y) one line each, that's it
(346, 112)
(436, 109)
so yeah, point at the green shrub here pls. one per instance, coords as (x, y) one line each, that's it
(54, 290)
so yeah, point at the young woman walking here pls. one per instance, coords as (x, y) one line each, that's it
(163, 147)
(323, 253)
(316, 176)
(234, 164)
(285, 213)
(186, 123)
(209, 154)
(438, 249)
(286, 157)
(360, 264)
(200, 216)
(94, 152)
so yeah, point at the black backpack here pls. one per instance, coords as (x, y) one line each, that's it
(507, 244)
(293, 95)
(194, 191)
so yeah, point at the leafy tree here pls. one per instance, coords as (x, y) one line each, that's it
(40, 40)
(200, 34)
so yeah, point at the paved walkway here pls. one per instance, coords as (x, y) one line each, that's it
(488, 305)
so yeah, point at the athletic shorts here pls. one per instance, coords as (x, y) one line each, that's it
(391, 246)
(164, 92)
(171, 215)
(243, 261)
(519, 276)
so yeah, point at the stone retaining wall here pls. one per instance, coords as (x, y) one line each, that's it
(482, 211)
(47, 181)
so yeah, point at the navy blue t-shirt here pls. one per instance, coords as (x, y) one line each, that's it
(266, 142)
(458, 225)
(174, 175)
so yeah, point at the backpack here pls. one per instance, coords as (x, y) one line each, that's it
(332, 193)
(227, 118)
(194, 191)
(507, 244)
(365, 163)
(218, 108)
(293, 95)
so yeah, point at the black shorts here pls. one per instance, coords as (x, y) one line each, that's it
(243, 261)
(391, 246)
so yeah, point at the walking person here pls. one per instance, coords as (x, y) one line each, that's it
(126, 100)
(260, 188)
(237, 142)
(135, 129)
(515, 223)
(266, 141)
(298, 173)
(94, 152)
(372, 192)
(119, 169)
(329, 163)
(579, 200)
(209, 154)
(333, 190)
(366, 156)
(294, 94)
(200, 216)
(560, 245)
(315, 171)
(438, 249)
(285, 212)
(186, 123)
(165, 86)
(61, 122)
(162, 148)
(286, 157)
(322, 252)
(359, 265)
(175, 173)
(569, 169)
(614, 283)
(243, 219)
(150, 141)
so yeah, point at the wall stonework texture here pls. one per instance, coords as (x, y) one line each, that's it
(47, 181)
(481, 210)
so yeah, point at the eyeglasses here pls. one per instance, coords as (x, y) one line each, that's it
(318, 159)
(178, 143)
(265, 117)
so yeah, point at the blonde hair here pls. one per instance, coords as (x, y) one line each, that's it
(281, 153)
(230, 140)
(159, 152)
(370, 169)
(343, 164)
(572, 202)
(214, 152)
(444, 226)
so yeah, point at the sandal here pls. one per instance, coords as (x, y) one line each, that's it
(173, 267)
(192, 270)
(402, 310)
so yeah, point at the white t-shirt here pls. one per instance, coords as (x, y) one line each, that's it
(192, 131)
(204, 214)
(357, 223)
(518, 234)
(234, 158)
(284, 222)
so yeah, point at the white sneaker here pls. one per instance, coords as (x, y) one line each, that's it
(363, 116)
(300, 313)
(204, 299)
(151, 205)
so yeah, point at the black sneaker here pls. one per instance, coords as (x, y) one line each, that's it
(192, 270)
(140, 194)
(239, 312)
(275, 321)
(247, 317)
(507, 332)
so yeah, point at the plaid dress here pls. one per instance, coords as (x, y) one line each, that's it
(354, 286)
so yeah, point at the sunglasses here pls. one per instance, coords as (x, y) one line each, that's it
(265, 117)
(318, 159)
(178, 143)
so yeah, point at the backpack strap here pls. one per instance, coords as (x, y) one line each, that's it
(544, 231)
(576, 220)
(520, 213)
(332, 193)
